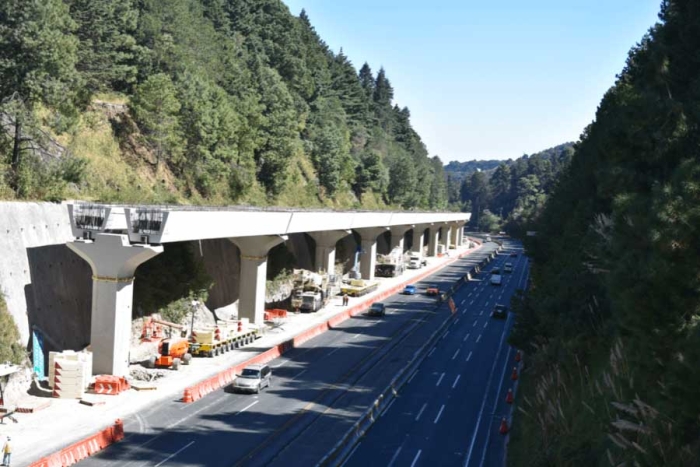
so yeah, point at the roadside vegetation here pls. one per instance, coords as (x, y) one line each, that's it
(10, 348)
(610, 326)
(199, 102)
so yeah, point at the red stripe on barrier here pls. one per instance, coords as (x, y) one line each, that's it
(209, 385)
(83, 449)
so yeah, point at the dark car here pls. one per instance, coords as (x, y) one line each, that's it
(432, 290)
(500, 312)
(377, 309)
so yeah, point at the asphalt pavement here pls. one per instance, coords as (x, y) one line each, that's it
(450, 411)
(321, 383)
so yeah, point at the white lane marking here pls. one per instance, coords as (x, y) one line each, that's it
(469, 356)
(393, 459)
(456, 380)
(440, 379)
(481, 313)
(475, 321)
(247, 407)
(455, 355)
(446, 333)
(456, 321)
(284, 362)
(421, 411)
(439, 413)
(431, 351)
(350, 455)
(333, 351)
(462, 302)
(472, 302)
(478, 338)
(415, 459)
(388, 407)
(486, 324)
(487, 303)
(470, 294)
(413, 376)
(304, 371)
(174, 454)
(466, 337)
(356, 336)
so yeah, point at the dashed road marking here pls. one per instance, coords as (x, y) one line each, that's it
(440, 379)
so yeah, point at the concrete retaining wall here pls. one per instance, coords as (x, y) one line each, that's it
(43, 282)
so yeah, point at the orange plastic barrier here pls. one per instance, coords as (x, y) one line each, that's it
(83, 449)
(201, 389)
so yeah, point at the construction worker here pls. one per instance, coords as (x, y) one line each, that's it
(346, 299)
(6, 452)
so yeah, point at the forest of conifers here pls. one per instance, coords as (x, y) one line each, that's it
(610, 325)
(207, 101)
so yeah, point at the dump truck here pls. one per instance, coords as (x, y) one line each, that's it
(358, 287)
(173, 350)
(211, 341)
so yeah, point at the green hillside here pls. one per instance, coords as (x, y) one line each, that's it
(198, 101)
(611, 321)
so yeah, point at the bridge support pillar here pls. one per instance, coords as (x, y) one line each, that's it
(448, 236)
(325, 248)
(397, 236)
(433, 240)
(113, 261)
(254, 250)
(368, 255)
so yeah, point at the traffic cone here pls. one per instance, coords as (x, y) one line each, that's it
(514, 375)
(518, 357)
(187, 398)
(509, 397)
(504, 427)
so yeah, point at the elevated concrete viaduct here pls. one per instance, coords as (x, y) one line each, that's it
(115, 240)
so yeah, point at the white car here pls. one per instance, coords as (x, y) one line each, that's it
(253, 378)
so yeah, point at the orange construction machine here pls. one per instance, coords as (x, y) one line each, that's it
(172, 351)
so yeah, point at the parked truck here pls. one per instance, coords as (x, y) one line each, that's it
(390, 265)
(416, 261)
(312, 291)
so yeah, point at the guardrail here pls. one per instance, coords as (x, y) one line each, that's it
(342, 448)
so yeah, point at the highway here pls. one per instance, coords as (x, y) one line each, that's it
(318, 390)
(450, 411)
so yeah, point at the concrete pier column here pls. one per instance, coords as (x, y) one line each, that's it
(254, 250)
(433, 240)
(418, 233)
(113, 261)
(368, 256)
(447, 235)
(460, 235)
(325, 248)
(397, 236)
(455, 235)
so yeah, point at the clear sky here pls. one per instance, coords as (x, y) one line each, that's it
(489, 79)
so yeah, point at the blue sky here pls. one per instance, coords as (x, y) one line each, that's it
(489, 80)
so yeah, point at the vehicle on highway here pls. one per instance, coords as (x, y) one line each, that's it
(496, 279)
(377, 309)
(432, 290)
(253, 378)
(410, 289)
(508, 267)
(500, 312)
(415, 261)
(495, 271)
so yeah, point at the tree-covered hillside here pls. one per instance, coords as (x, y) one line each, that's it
(198, 101)
(512, 194)
(611, 321)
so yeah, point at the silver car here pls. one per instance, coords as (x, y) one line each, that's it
(253, 378)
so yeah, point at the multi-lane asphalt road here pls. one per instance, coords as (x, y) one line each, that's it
(320, 388)
(450, 411)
